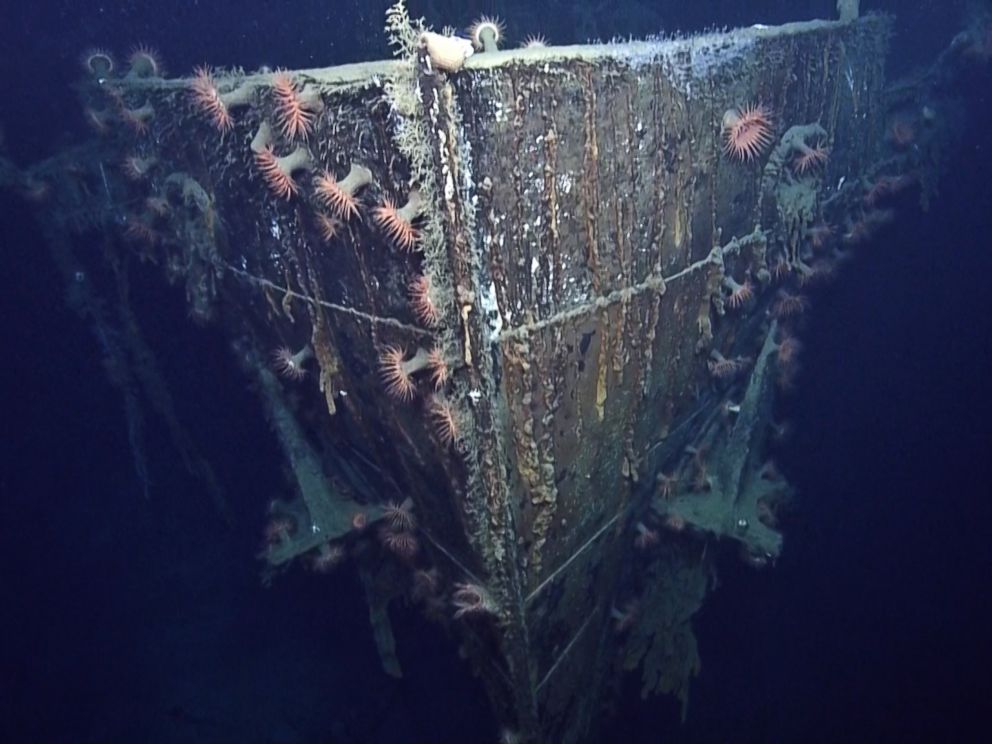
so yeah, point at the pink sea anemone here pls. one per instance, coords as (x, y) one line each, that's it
(445, 419)
(401, 544)
(277, 172)
(397, 371)
(295, 110)
(486, 34)
(397, 223)
(472, 599)
(289, 364)
(328, 226)
(400, 516)
(340, 196)
(207, 98)
(747, 132)
(740, 294)
(145, 62)
(810, 158)
(98, 62)
(422, 301)
(438, 366)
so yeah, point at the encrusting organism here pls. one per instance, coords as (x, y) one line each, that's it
(747, 131)
(289, 364)
(486, 34)
(397, 223)
(339, 196)
(446, 53)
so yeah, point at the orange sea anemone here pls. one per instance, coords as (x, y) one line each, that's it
(747, 132)
(339, 196)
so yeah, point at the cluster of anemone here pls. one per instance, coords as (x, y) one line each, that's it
(398, 371)
(396, 533)
(143, 62)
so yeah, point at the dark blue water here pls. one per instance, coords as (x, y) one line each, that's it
(132, 620)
